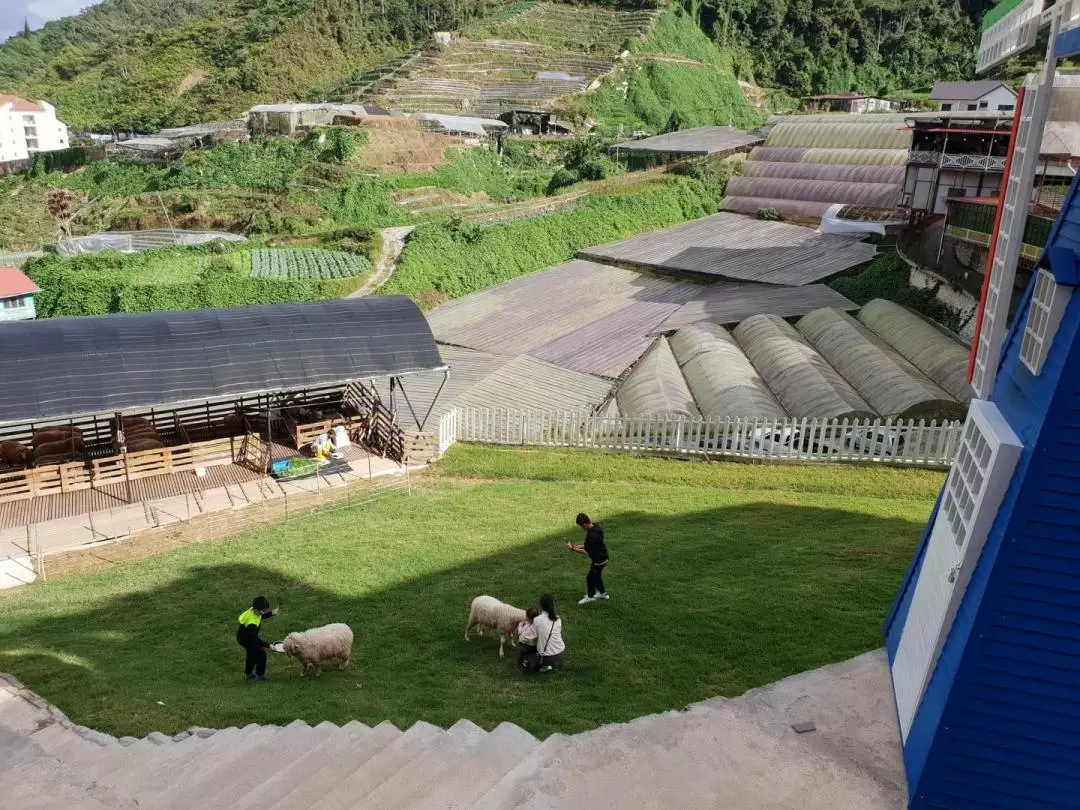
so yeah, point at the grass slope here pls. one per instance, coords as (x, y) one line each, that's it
(724, 577)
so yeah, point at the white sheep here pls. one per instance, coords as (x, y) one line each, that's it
(312, 647)
(487, 611)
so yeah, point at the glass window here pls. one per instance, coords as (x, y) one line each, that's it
(1048, 302)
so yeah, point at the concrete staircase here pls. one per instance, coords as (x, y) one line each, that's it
(738, 753)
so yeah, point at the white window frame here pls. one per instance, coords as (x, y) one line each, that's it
(1048, 302)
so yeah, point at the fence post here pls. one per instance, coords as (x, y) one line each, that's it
(524, 426)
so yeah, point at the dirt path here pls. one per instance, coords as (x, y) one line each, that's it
(393, 242)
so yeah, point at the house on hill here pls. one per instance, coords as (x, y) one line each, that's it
(987, 94)
(17, 292)
(852, 102)
(28, 127)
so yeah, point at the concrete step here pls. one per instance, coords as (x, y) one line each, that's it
(234, 776)
(501, 794)
(65, 744)
(161, 760)
(180, 782)
(19, 715)
(109, 763)
(401, 789)
(461, 783)
(391, 759)
(308, 780)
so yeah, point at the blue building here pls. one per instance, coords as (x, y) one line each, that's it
(17, 292)
(984, 637)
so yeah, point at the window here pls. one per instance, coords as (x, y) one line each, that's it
(946, 107)
(14, 303)
(28, 119)
(1006, 107)
(972, 107)
(1048, 302)
(983, 105)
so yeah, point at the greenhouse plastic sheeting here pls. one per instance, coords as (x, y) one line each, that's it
(135, 241)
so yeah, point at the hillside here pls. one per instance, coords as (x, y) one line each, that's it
(144, 64)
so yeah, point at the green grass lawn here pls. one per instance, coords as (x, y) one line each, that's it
(723, 577)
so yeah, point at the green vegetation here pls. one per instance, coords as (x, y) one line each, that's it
(887, 277)
(449, 260)
(724, 577)
(472, 170)
(295, 265)
(215, 275)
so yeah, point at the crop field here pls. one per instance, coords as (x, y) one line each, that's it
(300, 265)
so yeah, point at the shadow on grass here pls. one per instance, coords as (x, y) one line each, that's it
(710, 602)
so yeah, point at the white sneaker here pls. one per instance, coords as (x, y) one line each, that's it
(585, 600)
(603, 595)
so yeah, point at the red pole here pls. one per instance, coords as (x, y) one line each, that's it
(994, 235)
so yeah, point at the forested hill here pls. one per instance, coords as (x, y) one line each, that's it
(830, 46)
(144, 64)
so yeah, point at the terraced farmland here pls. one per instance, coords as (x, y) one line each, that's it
(300, 265)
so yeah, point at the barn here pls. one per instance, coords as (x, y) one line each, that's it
(984, 636)
(98, 401)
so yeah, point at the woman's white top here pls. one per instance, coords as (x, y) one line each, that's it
(548, 636)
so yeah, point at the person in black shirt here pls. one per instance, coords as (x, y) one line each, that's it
(247, 636)
(597, 553)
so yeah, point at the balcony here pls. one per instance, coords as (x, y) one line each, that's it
(983, 163)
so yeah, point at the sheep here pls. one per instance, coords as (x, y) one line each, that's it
(140, 443)
(56, 434)
(68, 448)
(313, 647)
(128, 422)
(487, 611)
(16, 455)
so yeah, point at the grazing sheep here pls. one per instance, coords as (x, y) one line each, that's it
(56, 434)
(16, 455)
(313, 647)
(487, 611)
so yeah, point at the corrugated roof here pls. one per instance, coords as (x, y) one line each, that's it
(892, 385)
(741, 248)
(526, 383)
(698, 141)
(883, 195)
(731, 302)
(846, 157)
(802, 209)
(722, 379)
(965, 91)
(461, 123)
(62, 367)
(656, 386)
(937, 354)
(840, 135)
(15, 283)
(825, 171)
(534, 311)
(20, 104)
(609, 345)
(468, 367)
(806, 385)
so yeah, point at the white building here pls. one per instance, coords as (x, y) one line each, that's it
(986, 96)
(27, 127)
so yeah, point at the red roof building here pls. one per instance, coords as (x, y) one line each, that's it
(17, 292)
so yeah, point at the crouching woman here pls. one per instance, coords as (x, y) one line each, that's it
(549, 641)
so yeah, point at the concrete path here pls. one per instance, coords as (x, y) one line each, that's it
(393, 242)
(734, 754)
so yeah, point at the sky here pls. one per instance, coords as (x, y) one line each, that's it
(38, 12)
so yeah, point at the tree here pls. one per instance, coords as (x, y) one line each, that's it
(59, 208)
(26, 27)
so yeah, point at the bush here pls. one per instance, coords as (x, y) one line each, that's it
(447, 261)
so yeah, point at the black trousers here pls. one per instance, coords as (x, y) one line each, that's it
(594, 580)
(255, 663)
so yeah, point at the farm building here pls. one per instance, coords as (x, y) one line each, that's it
(892, 385)
(656, 386)
(983, 635)
(852, 102)
(737, 248)
(809, 163)
(460, 125)
(288, 119)
(17, 291)
(686, 144)
(146, 395)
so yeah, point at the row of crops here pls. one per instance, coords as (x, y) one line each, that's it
(313, 263)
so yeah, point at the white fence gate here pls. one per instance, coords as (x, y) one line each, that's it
(900, 442)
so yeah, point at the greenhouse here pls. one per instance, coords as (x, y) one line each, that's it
(723, 381)
(892, 385)
(656, 386)
(942, 357)
(806, 385)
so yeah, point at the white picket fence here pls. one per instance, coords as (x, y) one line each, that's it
(907, 443)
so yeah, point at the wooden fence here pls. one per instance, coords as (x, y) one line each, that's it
(910, 442)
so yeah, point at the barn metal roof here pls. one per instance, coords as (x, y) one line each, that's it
(698, 141)
(64, 367)
(730, 302)
(738, 247)
(656, 386)
(526, 383)
(536, 311)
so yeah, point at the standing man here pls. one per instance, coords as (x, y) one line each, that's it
(247, 636)
(596, 551)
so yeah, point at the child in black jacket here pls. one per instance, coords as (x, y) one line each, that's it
(247, 636)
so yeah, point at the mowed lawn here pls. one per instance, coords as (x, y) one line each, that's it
(723, 577)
